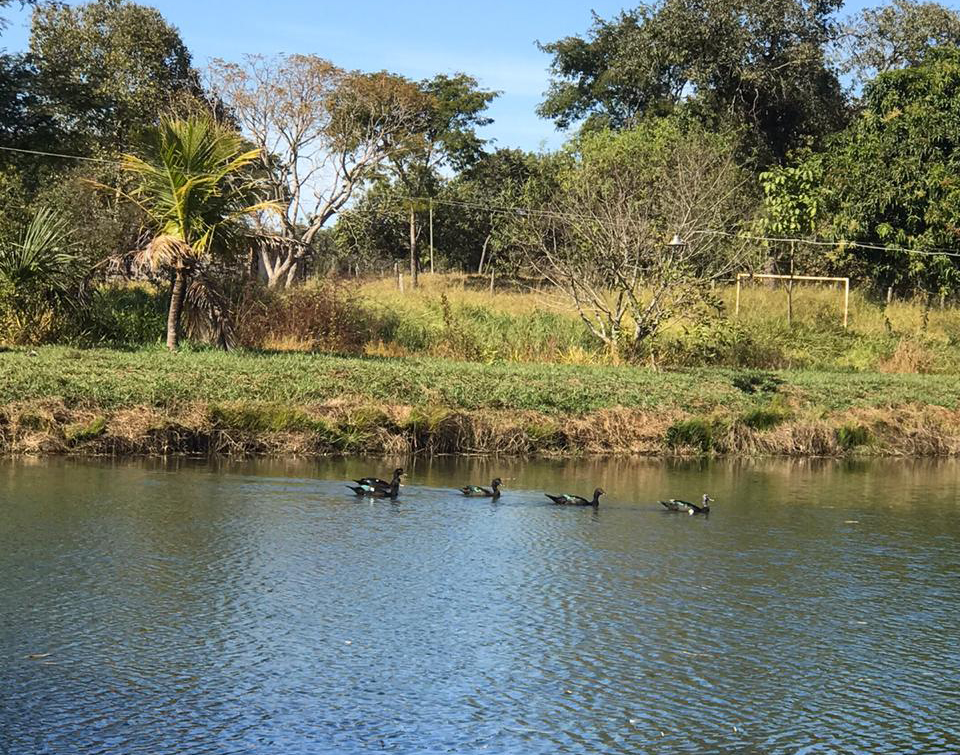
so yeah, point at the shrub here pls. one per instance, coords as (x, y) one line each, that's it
(753, 382)
(86, 431)
(764, 419)
(716, 341)
(320, 317)
(690, 433)
(123, 316)
(850, 437)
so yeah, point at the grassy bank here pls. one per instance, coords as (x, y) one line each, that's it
(57, 399)
(456, 317)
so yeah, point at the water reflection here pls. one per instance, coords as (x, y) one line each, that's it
(163, 607)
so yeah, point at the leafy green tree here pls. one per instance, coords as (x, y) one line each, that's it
(485, 199)
(893, 177)
(194, 186)
(107, 69)
(757, 64)
(792, 211)
(375, 228)
(474, 216)
(445, 135)
(897, 35)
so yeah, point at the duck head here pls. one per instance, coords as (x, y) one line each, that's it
(496, 483)
(596, 496)
(706, 500)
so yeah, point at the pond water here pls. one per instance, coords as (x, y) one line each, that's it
(261, 608)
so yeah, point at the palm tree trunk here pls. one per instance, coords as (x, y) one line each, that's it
(177, 294)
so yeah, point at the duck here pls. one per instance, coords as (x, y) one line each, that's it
(576, 500)
(475, 491)
(376, 482)
(675, 504)
(376, 491)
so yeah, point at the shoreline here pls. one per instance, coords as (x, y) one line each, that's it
(100, 402)
(49, 427)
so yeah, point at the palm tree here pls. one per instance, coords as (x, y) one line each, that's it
(194, 184)
(39, 273)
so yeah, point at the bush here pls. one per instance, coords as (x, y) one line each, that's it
(321, 317)
(764, 419)
(123, 316)
(718, 342)
(850, 437)
(753, 382)
(690, 433)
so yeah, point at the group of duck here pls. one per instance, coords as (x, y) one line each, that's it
(374, 487)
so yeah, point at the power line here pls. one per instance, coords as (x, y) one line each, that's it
(933, 252)
(58, 154)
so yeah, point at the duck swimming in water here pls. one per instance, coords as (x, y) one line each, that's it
(475, 491)
(576, 500)
(675, 504)
(375, 491)
(376, 482)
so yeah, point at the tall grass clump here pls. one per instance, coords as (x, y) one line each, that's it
(765, 418)
(691, 433)
(122, 316)
(850, 437)
(318, 317)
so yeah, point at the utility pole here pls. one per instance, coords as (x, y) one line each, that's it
(790, 288)
(413, 246)
(431, 235)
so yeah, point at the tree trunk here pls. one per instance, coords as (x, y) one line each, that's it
(413, 248)
(483, 255)
(177, 294)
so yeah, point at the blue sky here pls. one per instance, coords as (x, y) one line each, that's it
(492, 40)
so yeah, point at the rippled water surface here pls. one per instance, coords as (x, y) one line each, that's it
(261, 608)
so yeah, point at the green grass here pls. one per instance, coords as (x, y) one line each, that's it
(111, 379)
(447, 318)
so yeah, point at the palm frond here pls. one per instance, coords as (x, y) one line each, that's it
(193, 181)
(42, 257)
(208, 314)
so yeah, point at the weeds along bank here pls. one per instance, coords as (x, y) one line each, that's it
(456, 317)
(64, 400)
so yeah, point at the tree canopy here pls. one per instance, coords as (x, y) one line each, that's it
(756, 64)
(893, 176)
(897, 35)
(108, 68)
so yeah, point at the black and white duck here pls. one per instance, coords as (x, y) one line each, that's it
(475, 491)
(376, 482)
(675, 504)
(376, 491)
(576, 500)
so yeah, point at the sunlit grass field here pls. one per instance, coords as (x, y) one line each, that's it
(455, 316)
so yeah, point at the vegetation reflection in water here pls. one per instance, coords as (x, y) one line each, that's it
(262, 607)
